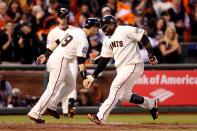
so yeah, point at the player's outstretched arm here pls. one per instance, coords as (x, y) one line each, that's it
(44, 57)
(83, 73)
(90, 78)
(101, 65)
(86, 82)
(152, 58)
(49, 50)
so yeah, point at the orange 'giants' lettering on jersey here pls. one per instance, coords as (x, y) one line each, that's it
(116, 44)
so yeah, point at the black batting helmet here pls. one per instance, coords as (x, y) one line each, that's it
(108, 19)
(92, 22)
(62, 13)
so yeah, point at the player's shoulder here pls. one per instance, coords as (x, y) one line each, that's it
(71, 27)
(130, 28)
(54, 30)
(78, 31)
(57, 29)
(125, 27)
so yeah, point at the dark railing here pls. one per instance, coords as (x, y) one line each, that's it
(110, 67)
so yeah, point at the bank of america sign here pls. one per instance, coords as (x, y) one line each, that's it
(162, 94)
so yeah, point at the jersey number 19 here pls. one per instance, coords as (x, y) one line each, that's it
(67, 39)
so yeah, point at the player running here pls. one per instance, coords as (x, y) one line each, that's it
(53, 39)
(122, 45)
(73, 46)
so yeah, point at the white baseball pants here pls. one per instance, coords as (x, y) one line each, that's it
(59, 75)
(61, 94)
(121, 88)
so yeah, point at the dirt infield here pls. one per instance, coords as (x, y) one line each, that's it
(92, 127)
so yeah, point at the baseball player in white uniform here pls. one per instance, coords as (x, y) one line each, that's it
(53, 39)
(122, 45)
(73, 47)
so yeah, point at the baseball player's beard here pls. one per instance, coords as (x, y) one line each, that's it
(108, 33)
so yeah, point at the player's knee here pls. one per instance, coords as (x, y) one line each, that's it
(125, 97)
(137, 99)
(122, 96)
(71, 86)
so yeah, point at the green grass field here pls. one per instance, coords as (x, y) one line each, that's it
(129, 118)
(142, 122)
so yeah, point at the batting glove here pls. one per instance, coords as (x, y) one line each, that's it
(153, 60)
(88, 81)
(90, 78)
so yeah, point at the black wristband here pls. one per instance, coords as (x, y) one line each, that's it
(83, 74)
(48, 53)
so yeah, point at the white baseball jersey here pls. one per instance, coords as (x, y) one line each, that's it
(57, 34)
(62, 81)
(73, 44)
(123, 46)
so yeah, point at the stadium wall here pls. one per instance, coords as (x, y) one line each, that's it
(31, 80)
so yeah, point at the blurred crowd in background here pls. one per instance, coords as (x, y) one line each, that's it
(24, 25)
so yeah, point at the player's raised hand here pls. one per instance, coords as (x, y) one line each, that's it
(41, 59)
(153, 60)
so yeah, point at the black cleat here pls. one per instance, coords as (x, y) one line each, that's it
(65, 115)
(71, 112)
(94, 119)
(39, 121)
(155, 110)
(53, 113)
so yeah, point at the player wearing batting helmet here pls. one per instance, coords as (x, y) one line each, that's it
(62, 13)
(122, 45)
(66, 46)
